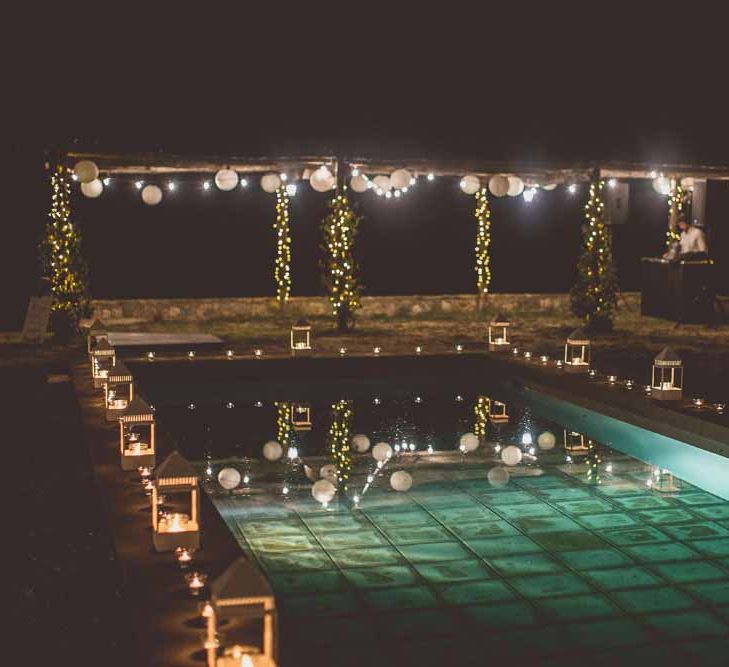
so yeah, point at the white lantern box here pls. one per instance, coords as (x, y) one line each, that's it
(301, 337)
(118, 390)
(499, 334)
(667, 380)
(577, 352)
(301, 416)
(177, 480)
(497, 411)
(97, 331)
(575, 443)
(136, 436)
(103, 357)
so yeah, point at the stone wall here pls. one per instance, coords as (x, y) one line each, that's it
(425, 306)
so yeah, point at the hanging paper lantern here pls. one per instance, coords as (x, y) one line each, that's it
(498, 477)
(328, 471)
(382, 183)
(323, 491)
(270, 183)
(229, 478)
(511, 455)
(359, 183)
(549, 187)
(86, 171)
(499, 186)
(468, 442)
(400, 178)
(381, 451)
(92, 189)
(687, 183)
(360, 443)
(470, 184)
(516, 186)
(322, 179)
(546, 440)
(151, 195)
(662, 185)
(226, 179)
(401, 480)
(272, 451)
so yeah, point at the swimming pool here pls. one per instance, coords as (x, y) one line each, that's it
(582, 551)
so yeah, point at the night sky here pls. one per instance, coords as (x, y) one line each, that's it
(464, 92)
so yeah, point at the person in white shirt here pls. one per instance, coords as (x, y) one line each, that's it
(691, 245)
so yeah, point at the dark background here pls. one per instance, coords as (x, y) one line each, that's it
(547, 84)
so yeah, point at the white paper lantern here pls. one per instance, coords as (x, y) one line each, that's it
(382, 183)
(401, 480)
(270, 183)
(549, 187)
(687, 183)
(328, 471)
(469, 442)
(323, 491)
(272, 451)
(322, 179)
(226, 179)
(92, 189)
(546, 440)
(86, 171)
(151, 195)
(229, 478)
(499, 186)
(381, 451)
(359, 183)
(470, 184)
(516, 186)
(498, 477)
(662, 185)
(511, 455)
(360, 443)
(400, 178)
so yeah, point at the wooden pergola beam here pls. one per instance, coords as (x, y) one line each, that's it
(531, 172)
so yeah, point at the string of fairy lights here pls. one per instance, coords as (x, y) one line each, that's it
(677, 202)
(483, 241)
(284, 428)
(481, 416)
(338, 440)
(282, 263)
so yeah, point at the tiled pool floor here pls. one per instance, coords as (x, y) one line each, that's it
(549, 570)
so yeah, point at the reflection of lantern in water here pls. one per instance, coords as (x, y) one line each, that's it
(667, 381)
(575, 443)
(301, 416)
(240, 599)
(497, 411)
(481, 414)
(338, 439)
(663, 481)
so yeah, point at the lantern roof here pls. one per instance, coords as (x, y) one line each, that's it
(302, 322)
(137, 408)
(241, 579)
(667, 357)
(103, 348)
(500, 319)
(119, 372)
(97, 327)
(175, 465)
(578, 337)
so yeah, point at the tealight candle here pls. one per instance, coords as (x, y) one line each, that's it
(459, 348)
(191, 354)
(376, 350)
(150, 356)
(515, 351)
(544, 358)
(196, 582)
(629, 384)
(612, 379)
(229, 354)
(144, 472)
(342, 351)
(699, 402)
(184, 556)
(719, 407)
(559, 363)
(418, 350)
(592, 372)
(257, 353)
(527, 355)
(148, 486)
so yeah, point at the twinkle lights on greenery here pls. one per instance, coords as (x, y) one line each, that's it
(61, 261)
(282, 266)
(593, 460)
(340, 269)
(338, 440)
(483, 240)
(481, 414)
(677, 204)
(284, 428)
(593, 297)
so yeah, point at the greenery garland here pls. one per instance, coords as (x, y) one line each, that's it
(62, 263)
(594, 294)
(677, 204)
(340, 268)
(482, 214)
(282, 266)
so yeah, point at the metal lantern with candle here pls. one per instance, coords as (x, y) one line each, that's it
(239, 600)
(97, 332)
(179, 525)
(300, 337)
(103, 357)
(497, 411)
(499, 334)
(667, 382)
(136, 435)
(118, 390)
(577, 352)
(575, 443)
(301, 416)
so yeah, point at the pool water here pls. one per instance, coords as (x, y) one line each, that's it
(573, 556)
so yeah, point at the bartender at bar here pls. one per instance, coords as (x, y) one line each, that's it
(691, 245)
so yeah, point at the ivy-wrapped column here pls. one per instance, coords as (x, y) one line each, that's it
(482, 213)
(594, 294)
(678, 201)
(282, 264)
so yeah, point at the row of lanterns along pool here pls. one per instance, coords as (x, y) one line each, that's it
(241, 593)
